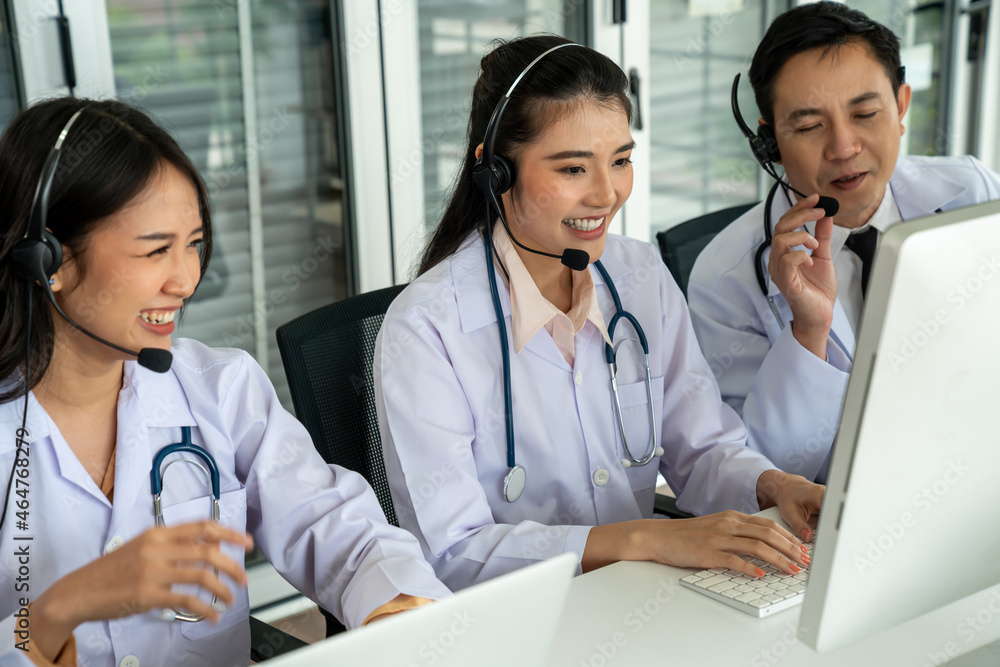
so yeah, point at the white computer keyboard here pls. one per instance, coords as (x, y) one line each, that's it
(771, 593)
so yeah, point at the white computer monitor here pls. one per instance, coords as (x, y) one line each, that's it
(911, 517)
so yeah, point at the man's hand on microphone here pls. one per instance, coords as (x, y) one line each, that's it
(808, 282)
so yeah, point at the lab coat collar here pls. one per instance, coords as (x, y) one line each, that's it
(472, 288)
(151, 409)
(10, 413)
(917, 195)
(164, 402)
(37, 424)
(145, 402)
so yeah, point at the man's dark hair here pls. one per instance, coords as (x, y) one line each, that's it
(821, 24)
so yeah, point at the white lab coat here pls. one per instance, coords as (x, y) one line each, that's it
(319, 525)
(788, 397)
(441, 413)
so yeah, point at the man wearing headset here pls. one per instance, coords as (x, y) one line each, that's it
(829, 85)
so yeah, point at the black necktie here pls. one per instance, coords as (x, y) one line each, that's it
(863, 244)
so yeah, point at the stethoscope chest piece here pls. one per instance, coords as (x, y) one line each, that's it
(156, 475)
(513, 483)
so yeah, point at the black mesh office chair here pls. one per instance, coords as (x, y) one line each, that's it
(681, 245)
(327, 355)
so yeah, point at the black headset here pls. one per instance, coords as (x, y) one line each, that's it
(36, 258)
(762, 143)
(493, 174)
(764, 147)
(38, 255)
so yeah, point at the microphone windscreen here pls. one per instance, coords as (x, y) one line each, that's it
(578, 260)
(155, 359)
(829, 205)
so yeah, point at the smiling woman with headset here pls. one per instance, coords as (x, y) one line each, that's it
(536, 376)
(106, 231)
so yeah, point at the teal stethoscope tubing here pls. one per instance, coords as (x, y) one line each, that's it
(156, 483)
(514, 483)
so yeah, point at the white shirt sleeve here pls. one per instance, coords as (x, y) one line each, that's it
(319, 525)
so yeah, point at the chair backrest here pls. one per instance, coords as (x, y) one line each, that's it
(680, 245)
(327, 355)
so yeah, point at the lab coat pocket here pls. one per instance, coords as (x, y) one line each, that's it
(635, 407)
(232, 514)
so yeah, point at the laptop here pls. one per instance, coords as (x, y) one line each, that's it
(510, 620)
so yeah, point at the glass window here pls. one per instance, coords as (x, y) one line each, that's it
(454, 36)
(699, 160)
(262, 131)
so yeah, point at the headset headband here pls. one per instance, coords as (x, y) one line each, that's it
(491, 128)
(40, 205)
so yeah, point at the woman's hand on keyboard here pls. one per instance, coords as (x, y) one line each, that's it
(716, 540)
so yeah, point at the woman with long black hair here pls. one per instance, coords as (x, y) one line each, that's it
(85, 425)
(504, 449)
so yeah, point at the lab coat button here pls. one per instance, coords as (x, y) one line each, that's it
(129, 661)
(578, 378)
(113, 544)
(601, 477)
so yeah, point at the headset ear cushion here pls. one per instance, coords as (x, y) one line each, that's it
(503, 175)
(769, 144)
(482, 176)
(37, 260)
(53, 256)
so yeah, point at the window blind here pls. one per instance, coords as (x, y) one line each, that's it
(180, 60)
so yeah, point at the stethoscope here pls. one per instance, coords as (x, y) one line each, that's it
(156, 482)
(758, 265)
(513, 483)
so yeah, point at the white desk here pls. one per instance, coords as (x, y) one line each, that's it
(638, 614)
